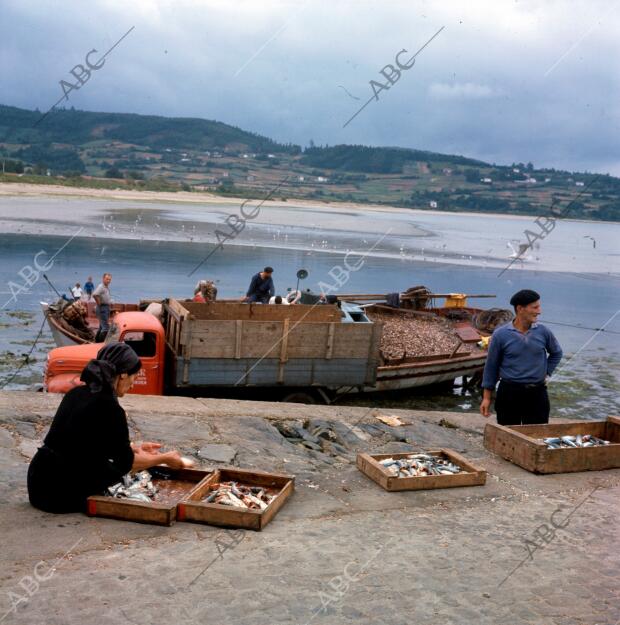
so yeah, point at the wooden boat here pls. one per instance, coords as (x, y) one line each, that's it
(410, 371)
(65, 333)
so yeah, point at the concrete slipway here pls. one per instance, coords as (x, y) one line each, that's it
(342, 550)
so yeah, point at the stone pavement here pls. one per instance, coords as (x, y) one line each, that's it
(523, 549)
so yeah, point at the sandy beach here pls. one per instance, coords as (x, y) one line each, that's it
(205, 218)
(27, 216)
(474, 239)
(204, 197)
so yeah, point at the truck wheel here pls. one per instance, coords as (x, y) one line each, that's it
(299, 398)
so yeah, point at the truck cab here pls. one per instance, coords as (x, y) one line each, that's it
(141, 330)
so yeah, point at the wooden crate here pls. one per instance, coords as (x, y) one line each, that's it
(193, 509)
(142, 512)
(522, 445)
(370, 466)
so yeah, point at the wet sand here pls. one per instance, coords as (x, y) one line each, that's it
(36, 218)
(472, 239)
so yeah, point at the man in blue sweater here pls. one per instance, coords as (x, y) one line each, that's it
(522, 354)
(261, 288)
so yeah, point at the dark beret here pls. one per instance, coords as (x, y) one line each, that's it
(524, 297)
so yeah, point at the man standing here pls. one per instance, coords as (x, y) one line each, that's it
(89, 287)
(261, 288)
(103, 299)
(522, 354)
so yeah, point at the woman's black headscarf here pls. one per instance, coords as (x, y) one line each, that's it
(112, 360)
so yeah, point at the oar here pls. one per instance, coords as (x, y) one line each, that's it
(53, 287)
(363, 296)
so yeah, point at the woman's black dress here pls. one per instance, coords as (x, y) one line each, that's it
(86, 450)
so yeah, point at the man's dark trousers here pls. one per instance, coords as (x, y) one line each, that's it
(103, 314)
(521, 404)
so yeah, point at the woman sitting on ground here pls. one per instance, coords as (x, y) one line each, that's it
(87, 448)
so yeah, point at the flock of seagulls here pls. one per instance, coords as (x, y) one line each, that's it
(518, 251)
(108, 224)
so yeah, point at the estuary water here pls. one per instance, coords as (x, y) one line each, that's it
(578, 279)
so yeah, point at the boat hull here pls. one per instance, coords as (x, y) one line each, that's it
(426, 372)
(61, 336)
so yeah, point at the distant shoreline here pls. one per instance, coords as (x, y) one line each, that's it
(8, 189)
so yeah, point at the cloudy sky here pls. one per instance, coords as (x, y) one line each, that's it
(503, 81)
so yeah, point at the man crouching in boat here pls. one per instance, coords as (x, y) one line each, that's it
(522, 354)
(87, 447)
(261, 287)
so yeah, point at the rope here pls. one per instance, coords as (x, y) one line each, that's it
(488, 320)
(26, 361)
(580, 327)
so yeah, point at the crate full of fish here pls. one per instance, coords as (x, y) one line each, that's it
(420, 470)
(149, 496)
(558, 447)
(237, 498)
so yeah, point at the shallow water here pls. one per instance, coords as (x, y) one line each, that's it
(587, 387)
(412, 235)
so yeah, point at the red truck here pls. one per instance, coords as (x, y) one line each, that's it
(302, 353)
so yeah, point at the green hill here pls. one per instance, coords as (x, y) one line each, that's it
(83, 148)
(76, 128)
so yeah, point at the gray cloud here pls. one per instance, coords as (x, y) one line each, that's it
(482, 88)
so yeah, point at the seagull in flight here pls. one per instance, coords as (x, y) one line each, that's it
(519, 254)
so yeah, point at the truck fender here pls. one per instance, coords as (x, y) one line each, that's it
(64, 382)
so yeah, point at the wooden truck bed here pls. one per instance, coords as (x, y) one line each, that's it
(233, 344)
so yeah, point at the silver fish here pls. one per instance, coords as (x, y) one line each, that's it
(231, 500)
(136, 486)
(240, 496)
(598, 441)
(419, 464)
(115, 488)
(261, 504)
(138, 496)
(388, 462)
(574, 442)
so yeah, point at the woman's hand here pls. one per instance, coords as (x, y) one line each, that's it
(149, 448)
(144, 459)
(175, 461)
(147, 455)
(171, 459)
